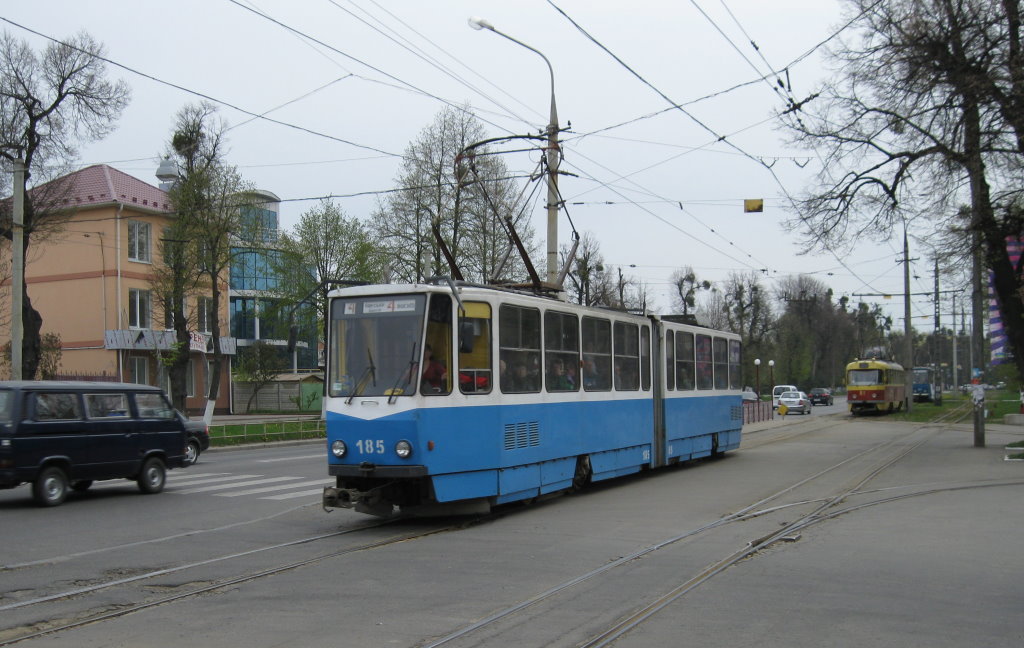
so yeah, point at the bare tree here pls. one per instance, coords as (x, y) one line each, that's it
(210, 201)
(325, 245)
(468, 208)
(685, 286)
(927, 113)
(49, 103)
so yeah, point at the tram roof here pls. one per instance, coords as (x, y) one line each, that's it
(475, 290)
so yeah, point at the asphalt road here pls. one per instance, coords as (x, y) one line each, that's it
(892, 535)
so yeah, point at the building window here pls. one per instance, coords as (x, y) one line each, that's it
(205, 315)
(138, 242)
(138, 308)
(138, 370)
(243, 318)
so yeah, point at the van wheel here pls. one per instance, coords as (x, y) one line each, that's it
(191, 452)
(152, 477)
(50, 487)
(81, 486)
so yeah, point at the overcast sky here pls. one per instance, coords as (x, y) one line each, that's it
(651, 184)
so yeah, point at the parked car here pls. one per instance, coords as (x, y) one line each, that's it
(795, 401)
(60, 436)
(779, 390)
(820, 396)
(749, 396)
(197, 439)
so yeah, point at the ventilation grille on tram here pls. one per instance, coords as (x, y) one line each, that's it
(522, 435)
(736, 412)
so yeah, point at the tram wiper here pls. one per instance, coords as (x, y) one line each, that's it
(407, 375)
(370, 372)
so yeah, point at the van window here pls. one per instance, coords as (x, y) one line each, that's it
(57, 406)
(6, 404)
(106, 405)
(153, 405)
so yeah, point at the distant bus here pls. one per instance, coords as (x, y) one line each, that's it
(926, 385)
(875, 386)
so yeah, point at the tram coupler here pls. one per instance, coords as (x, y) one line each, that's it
(363, 502)
(340, 497)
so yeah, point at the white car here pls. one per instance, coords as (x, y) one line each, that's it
(795, 401)
(779, 390)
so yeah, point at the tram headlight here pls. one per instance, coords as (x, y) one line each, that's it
(338, 448)
(403, 449)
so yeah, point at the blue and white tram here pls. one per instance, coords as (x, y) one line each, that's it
(453, 398)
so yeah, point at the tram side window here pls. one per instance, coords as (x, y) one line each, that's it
(519, 349)
(721, 359)
(561, 351)
(684, 361)
(645, 358)
(670, 360)
(437, 350)
(597, 354)
(475, 349)
(705, 368)
(735, 364)
(627, 357)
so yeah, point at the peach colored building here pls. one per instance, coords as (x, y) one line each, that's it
(91, 284)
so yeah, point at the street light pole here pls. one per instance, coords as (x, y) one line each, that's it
(552, 153)
(771, 367)
(757, 372)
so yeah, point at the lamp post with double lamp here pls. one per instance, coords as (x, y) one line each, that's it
(757, 372)
(552, 153)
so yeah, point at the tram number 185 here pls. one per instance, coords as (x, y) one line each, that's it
(370, 446)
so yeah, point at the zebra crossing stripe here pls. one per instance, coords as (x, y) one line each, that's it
(268, 489)
(252, 482)
(212, 480)
(307, 493)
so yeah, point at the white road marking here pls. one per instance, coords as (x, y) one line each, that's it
(211, 480)
(269, 489)
(320, 455)
(253, 482)
(308, 493)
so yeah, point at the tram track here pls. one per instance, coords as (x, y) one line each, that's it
(788, 532)
(13, 635)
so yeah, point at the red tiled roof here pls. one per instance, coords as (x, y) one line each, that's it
(101, 184)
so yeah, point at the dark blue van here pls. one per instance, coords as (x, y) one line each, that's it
(59, 435)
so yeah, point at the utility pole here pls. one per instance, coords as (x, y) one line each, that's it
(977, 348)
(908, 343)
(953, 317)
(18, 269)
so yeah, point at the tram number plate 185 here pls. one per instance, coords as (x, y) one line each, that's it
(370, 446)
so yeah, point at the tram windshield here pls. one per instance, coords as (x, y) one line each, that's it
(922, 375)
(864, 377)
(375, 345)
